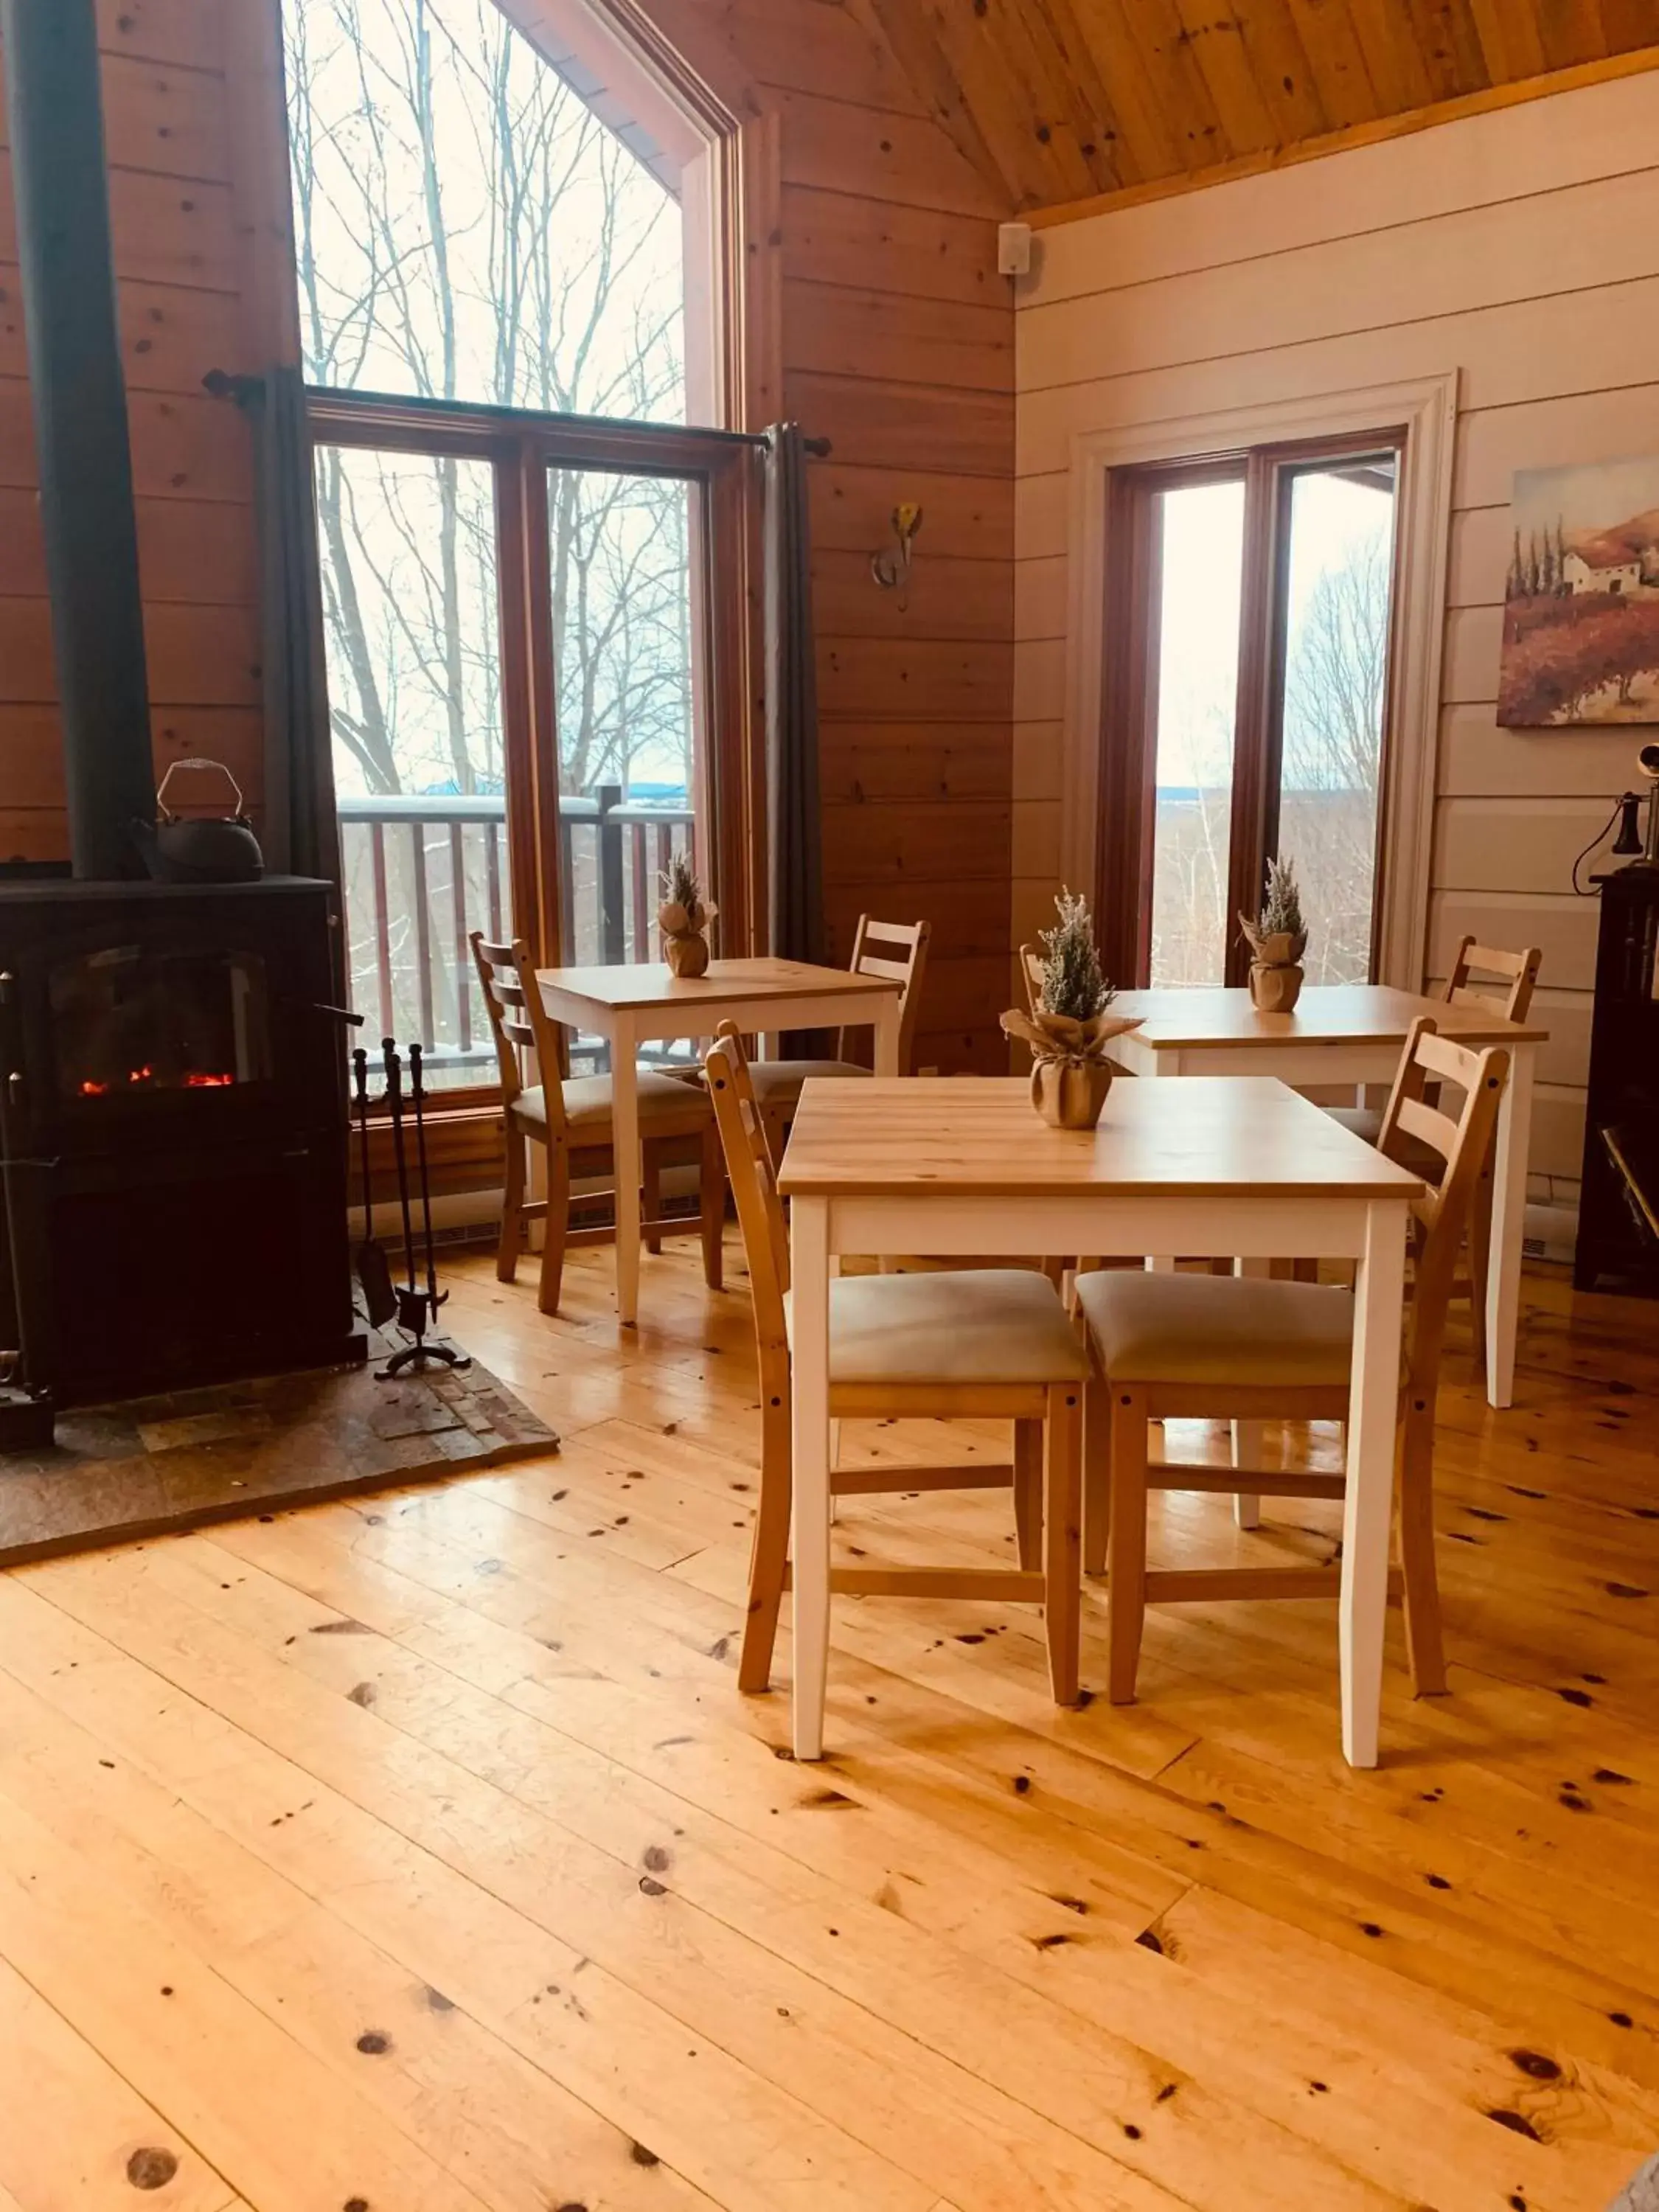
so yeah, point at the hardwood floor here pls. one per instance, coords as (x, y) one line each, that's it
(416, 1853)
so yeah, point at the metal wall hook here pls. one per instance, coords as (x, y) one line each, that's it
(892, 570)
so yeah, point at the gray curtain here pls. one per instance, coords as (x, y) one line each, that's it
(301, 833)
(794, 839)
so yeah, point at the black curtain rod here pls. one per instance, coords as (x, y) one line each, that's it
(242, 389)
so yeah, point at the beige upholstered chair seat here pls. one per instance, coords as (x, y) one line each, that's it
(1411, 1151)
(782, 1079)
(588, 1101)
(1212, 1328)
(996, 1325)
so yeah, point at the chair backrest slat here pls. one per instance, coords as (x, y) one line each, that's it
(519, 1022)
(1429, 1125)
(907, 973)
(1443, 1214)
(750, 1170)
(1031, 970)
(1517, 971)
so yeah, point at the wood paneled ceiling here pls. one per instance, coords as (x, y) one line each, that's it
(1055, 100)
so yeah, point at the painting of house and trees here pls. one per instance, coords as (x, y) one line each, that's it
(1581, 605)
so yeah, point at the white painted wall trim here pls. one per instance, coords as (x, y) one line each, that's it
(1427, 407)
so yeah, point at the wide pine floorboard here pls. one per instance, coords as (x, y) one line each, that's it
(416, 1852)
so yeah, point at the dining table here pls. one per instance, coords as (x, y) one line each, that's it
(1238, 1163)
(645, 1002)
(1347, 1036)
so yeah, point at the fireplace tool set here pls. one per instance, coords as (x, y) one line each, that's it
(413, 1303)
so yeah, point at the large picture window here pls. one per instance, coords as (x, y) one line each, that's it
(517, 527)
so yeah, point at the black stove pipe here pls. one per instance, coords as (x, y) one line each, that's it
(60, 184)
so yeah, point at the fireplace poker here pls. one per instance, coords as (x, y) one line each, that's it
(373, 1271)
(418, 1100)
(394, 1099)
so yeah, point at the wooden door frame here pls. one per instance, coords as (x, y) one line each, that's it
(1096, 646)
(521, 448)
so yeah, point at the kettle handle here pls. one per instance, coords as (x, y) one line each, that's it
(161, 795)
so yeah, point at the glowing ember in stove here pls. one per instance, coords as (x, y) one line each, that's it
(138, 1074)
(198, 1080)
(90, 1090)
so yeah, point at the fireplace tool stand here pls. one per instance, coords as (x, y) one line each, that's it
(27, 1405)
(417, 1303)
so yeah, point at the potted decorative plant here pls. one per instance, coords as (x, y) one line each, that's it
(1278, 941)
(1069, 1028)
(683, 919)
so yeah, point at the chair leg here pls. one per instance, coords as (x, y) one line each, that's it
(651, 1202)
(768, 1557)
(1097, 1475)
(1425, 1643)
(1126, 1544)
(1062, 1601)
(1480, 1263)
(711, 1208)
(1028, 1492)
(558, 1226)
(512, 1240)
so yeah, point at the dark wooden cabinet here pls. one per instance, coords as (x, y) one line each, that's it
(1618, 1243)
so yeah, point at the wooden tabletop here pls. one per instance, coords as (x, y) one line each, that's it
(1210, 1136)
(1329, 1013)
(649, 983)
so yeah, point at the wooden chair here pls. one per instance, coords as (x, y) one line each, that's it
(1030, 973)
(777, 1082)
(992, 1344)
(1510, 981)
(1205, 1347)
(573, 1118)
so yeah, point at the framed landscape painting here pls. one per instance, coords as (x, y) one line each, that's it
(1581, 603)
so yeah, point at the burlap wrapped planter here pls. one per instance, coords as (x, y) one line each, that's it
(685, 946)
(1276, 970)
(1071, 1076)
(1274, 990)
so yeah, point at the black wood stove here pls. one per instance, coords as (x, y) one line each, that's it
(172, 1080)
(173, 1133)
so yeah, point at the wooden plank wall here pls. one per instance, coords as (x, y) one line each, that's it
(168, 126)
(1512, 247)
(897, 344)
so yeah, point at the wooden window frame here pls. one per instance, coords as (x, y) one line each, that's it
(1268, 474)
(521, 448)
(1100, 639)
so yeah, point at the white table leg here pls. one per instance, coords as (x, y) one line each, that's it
(625, 1125)
(809, 1270)
(1247, 1435)
(1368, 1506)
(1163, 1064)
(887, 1035)
(1509, 1208)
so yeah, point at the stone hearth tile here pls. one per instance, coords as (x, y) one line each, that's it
(96, 1496)
(215, 1454)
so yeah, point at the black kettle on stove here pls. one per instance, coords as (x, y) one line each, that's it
(213, 849)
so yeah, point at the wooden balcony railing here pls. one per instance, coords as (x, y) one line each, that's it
(421, 873)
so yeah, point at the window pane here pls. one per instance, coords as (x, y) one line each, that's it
(624, 654)
(1336, 666)
(414, 679)
(468, 228)
(1200, 535)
